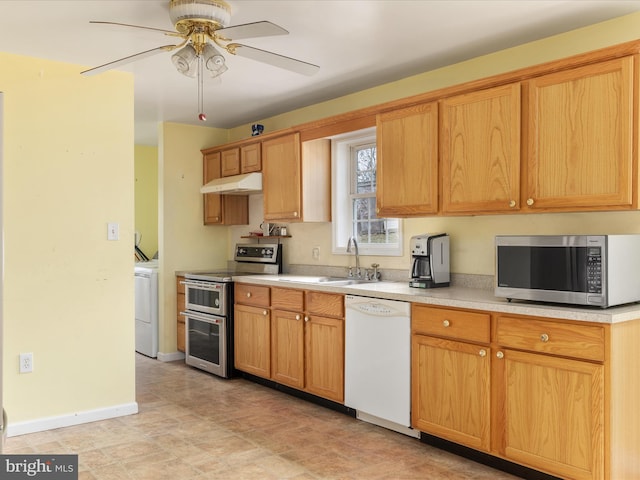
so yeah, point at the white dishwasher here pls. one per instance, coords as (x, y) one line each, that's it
(378, 362)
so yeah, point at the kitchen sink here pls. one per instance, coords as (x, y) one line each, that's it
(322, 280)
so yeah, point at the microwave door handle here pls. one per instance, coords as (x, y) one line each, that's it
(215, 287)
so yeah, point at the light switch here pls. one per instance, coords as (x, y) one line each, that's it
(113, 231)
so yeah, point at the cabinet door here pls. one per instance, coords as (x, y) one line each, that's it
(250, 158)
(222, 209)
(407, 161)
(450, 390)
(480, 151)
(553, 414)
(212, 201)
(324, 357)
(230, 162)
(287, 348)
(580, 146)
(281, 178)
(252, 342)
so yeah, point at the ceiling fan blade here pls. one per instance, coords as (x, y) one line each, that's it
(252, 30)
(274, 59)
(129, 59)
(168, 32)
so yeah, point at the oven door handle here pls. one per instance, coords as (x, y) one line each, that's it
(204, 317)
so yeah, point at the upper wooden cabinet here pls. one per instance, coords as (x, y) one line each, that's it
(556, 137)
(407, 161)
(480, 151)
(580, 138)
(296, 179)
(230, 162)
(222, 209)
(251, 158)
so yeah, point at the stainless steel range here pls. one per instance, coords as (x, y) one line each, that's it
(209, 307)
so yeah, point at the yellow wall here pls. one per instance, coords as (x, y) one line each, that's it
(185, 243)
(67, 291)
(146, 197)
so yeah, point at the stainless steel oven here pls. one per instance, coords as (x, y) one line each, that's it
(208, 334)
(207, 343)
(209, 307)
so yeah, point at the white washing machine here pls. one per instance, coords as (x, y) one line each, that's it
(146, 285)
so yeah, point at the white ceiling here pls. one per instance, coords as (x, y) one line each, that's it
(357, 43)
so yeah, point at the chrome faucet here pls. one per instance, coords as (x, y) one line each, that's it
(352, 240)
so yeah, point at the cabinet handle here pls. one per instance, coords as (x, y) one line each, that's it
(264, 312)
(297, 317)
(446, 323)
(500, 355)
(295, 214)
(306, 318)
(482, 353)
(530, 201)
(512, 203)
(248, 294)
(544, 338)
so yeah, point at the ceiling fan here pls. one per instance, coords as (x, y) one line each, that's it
(202, 25)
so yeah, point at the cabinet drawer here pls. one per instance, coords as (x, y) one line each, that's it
(443, 322)
(252, 295)
(327, 304)
(287, 298)
(566, 339)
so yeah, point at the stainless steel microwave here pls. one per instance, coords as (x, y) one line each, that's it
(596, 270)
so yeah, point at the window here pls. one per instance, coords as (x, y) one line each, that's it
(354, 198)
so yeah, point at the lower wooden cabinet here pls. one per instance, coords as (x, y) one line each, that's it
(252, 340)
(287, 348)
(557, 396)
(180, 325)
(451, 390)
(324, 357)
(553, 413)
(298, 342)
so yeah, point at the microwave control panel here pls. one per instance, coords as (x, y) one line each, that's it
(594, 270)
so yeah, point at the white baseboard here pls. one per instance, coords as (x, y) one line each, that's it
(170, 357)
(49, 423)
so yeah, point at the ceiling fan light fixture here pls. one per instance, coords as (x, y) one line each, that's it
(185, 12)
(185, 61)
(214, 62)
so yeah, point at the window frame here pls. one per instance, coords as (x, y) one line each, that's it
(343, 173)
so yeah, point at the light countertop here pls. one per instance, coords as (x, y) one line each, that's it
(460, 297)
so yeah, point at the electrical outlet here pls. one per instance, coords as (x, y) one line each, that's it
(26, 362)
(315, 253)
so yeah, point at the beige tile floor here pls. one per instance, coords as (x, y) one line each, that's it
(193, 425)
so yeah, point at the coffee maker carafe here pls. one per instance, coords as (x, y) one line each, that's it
(430, 257)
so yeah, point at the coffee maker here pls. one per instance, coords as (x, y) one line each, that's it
(430, 256)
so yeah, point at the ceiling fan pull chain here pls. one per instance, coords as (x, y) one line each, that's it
(201, 116)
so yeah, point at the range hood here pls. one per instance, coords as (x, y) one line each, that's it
(235, 185)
